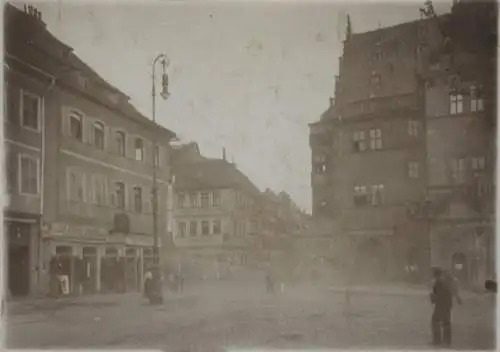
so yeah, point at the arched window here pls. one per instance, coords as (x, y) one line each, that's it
(138, 199)
(120, 143)
(99, 135)
(119, 195)
(139, 149)
(75, 125)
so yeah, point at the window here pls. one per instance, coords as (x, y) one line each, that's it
(205, 227)
(98, 189)
(193, 230)
(11, 172)
(99, 135)
(456, 104)
(476, 102)
(120, 143)
(119, 195)
(181, 229)
(413, 127)
(138, 199)
(28, 175)
(377, 194)
(139, 149)
(413, 169)
(193, 200)
(375, 139)
(30, 111)
(360, 196)
(157, 155)
(216, 227)
(181, 200)
(478, 163)
(12, 104)
(75, 190)
(216, 200)
(75, 126)
(359, 141)
(458, 170)
(205, 201)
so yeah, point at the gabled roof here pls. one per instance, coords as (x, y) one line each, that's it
(27, 31)
(212, 174)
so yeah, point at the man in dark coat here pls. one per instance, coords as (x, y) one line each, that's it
(442, 299)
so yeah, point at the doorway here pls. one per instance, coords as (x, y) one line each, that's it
(19, 272)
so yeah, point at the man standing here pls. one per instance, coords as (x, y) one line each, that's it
(441, 298)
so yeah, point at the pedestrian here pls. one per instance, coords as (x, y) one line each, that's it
(148, 281)
(442, 299)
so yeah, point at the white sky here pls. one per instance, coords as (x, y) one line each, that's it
(249, 76)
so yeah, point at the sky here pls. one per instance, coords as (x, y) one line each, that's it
(247, 76)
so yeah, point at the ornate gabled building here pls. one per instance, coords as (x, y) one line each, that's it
(403, 159)
(368, 152)
(459, 70)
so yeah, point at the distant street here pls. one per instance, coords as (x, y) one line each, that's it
(212, 317)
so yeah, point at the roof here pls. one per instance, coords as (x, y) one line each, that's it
(212, 174)
(29, 31)
(186, 153)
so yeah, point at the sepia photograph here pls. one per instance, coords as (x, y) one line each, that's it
(249, 175)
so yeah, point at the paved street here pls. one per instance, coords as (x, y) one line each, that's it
(210, 318)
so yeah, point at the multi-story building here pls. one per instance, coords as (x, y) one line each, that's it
(368, 153)
(458, 66)
(86, 170)
(215, 223)
(404, 157)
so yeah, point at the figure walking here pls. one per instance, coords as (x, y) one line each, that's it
(442, 299)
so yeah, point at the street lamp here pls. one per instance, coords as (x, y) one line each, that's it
(164, 61)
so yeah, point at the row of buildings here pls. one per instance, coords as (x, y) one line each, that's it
(79, 161)
(223, 223)
(403, 160)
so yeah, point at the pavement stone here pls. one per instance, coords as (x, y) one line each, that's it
(210, 317)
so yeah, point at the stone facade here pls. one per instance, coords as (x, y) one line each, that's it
(96, 163)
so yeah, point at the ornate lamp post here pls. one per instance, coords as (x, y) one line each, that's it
(164, 61)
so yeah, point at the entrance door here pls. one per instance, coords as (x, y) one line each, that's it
(18, 270)
(90, 266)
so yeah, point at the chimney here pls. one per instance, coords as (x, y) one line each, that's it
(33, 12)
(224, 154)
